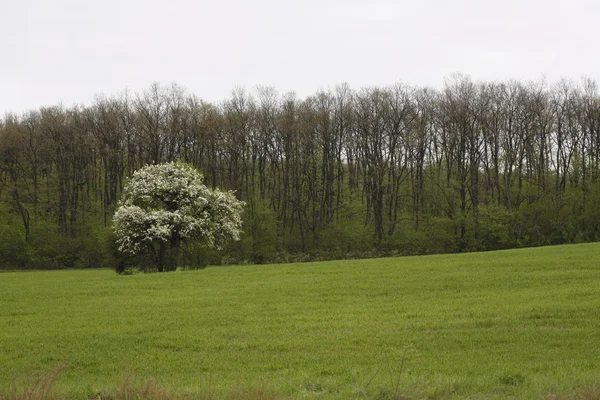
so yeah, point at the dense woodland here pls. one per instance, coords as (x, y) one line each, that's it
(344, 173)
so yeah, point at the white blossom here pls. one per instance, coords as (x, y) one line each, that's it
(161, 201)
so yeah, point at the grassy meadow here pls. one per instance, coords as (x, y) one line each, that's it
(519, 324)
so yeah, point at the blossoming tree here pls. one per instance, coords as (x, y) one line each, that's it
(163, 205)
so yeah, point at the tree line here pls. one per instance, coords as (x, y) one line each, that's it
(342, 173)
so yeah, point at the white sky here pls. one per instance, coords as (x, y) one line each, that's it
(67, 51)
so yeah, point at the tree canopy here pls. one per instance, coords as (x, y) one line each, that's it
(163, 205)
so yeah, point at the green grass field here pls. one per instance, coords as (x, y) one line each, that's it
(511, 324)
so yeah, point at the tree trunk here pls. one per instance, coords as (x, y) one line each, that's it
(162, 249)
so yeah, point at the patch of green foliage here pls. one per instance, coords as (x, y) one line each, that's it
(509, 324)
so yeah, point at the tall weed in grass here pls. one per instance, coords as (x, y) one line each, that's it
(40, 387)
(132, 389)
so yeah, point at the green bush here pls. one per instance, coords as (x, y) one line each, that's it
(442, 233)
(15, 253)
(409, 242)
(54, 250)
(494, 228)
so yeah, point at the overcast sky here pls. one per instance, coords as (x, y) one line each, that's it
(67, 51)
